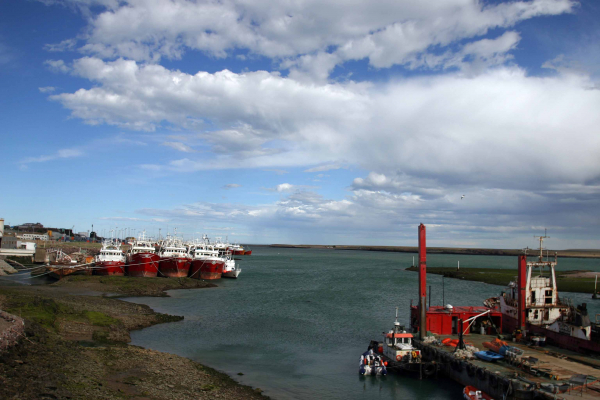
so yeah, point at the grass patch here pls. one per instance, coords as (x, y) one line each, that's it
(100, 319)
(37, 309)
(501, 277)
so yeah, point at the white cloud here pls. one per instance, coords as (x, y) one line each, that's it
(309, 37)
(62, 153)
(57, 66)
(47, 89)
(232, 186)
(179, 146)
(284, 187)
(65, 45)
(276, 171)
(500, 127)
(322, 168)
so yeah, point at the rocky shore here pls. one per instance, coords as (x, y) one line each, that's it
(76, 346)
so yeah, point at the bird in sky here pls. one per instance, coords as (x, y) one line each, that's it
(462, 197)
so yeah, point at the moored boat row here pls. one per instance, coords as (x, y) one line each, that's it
(170, 258)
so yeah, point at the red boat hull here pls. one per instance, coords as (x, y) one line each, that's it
(110, 268)
(143, 265)
(509, 324)
(248, 252)
(174, 267)
(206, 269)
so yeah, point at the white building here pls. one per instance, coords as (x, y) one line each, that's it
(35, 236)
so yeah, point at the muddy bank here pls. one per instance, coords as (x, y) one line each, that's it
(125, 286)
(76, 347)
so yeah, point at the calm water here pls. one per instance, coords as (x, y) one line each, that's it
(297, 320)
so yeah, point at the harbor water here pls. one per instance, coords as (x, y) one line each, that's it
(296, 321)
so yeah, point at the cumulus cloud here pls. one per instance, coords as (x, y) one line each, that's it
(493, 127)
(309, 37)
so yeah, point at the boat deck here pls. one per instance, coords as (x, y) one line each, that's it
(554, 366)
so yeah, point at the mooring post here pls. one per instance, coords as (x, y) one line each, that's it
(422, 282)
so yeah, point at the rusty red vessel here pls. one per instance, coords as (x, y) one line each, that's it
(143, 265)
(111, 260)
(174, 259)
(142, 260)
(206, 263)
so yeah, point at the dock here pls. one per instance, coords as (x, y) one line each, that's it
(557, 374)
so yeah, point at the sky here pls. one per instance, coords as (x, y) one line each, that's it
(305, 122)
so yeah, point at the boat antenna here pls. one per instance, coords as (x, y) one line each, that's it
(542, 243)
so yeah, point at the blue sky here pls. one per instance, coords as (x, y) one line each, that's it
(306, 122)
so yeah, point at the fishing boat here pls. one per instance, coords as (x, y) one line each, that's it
(247, 252)
(531, 307)
(236, 250)
(174, 259)
(142, 260)
(488, 355)
(111, 260)
(230, 270)
(206, 262)
(398, 352)
(471, 393)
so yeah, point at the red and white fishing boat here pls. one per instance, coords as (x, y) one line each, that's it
(142, 260)
(236, 250)
(110, 260)
(531, 306)
(206, 262)
(174, 259)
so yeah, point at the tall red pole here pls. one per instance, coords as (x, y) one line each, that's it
(422, 281)
(521, 282)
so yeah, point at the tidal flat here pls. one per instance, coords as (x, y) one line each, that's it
(76, 345)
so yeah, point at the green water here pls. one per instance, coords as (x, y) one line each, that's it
(297, 320)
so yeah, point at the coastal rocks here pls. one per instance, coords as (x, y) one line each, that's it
(6, 268)
(11, 330)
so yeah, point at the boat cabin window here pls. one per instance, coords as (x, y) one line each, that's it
(533, 297)
(536, 314)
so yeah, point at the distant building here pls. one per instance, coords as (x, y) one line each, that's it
(30, 226)
(13, 242)
(35, 236)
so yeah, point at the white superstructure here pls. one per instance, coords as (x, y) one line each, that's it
(111, 252)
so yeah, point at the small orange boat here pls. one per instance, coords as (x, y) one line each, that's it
(495, 345)
(471, 393)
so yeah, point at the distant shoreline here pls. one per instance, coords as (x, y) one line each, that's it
(445, 250)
